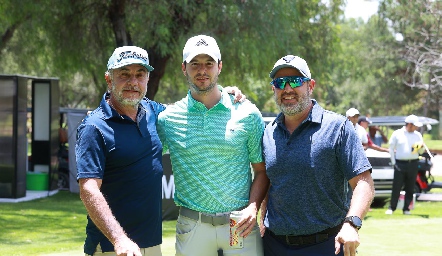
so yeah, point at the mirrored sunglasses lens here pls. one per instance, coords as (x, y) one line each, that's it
(293, 82)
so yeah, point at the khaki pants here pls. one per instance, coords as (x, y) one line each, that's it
(195, 238)
(150, 251)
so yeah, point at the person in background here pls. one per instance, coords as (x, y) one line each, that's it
(363, 122)
(406, 144)
(311, 156)
(352, 114)
(212, 143)
(377, 135)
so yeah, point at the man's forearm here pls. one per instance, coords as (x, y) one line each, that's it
(101, 214)
(259, 187)
(363, 194)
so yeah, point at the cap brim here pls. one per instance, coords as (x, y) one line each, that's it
(133, 61)
(276, 69)
(194, 54)
(418, 124)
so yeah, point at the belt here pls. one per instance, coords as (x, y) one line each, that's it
(304, 240)
(406, 161)
(214, 220)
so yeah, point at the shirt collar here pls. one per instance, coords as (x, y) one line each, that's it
(225, 101)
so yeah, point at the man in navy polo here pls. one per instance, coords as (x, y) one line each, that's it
(119, 165)
(311, 157)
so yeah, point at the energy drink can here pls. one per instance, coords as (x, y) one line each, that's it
(236, 241)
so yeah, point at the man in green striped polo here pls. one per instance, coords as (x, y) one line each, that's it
(212, 143)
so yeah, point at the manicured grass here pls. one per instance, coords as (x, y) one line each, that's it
(55, 226)
(51, 224)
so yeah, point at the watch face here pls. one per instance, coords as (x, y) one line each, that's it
(357, 221)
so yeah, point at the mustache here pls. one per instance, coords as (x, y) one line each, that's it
(284, 94)
(132, 88)
(200, 75)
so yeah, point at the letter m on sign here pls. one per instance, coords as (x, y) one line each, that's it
(168, 187)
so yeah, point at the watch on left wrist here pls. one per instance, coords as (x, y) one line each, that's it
(355, 221)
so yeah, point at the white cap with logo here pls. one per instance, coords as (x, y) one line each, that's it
(412, 119)
(291, 61)
(201, 44)
(127, 55)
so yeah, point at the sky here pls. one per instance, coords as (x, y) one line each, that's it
(361, 8)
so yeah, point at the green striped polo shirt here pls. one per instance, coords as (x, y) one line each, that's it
(211, 151)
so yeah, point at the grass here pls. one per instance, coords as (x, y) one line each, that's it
(55, 226)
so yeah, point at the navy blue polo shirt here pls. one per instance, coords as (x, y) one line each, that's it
(127, 156)
(309, 172)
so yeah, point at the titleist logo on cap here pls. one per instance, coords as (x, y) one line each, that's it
(131, 54)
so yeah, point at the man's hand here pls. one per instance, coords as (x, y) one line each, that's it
(239, 97)
(126, 247)
(349, 238)
(247, 221)
(262, 229)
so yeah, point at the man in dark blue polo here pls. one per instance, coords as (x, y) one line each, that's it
(311, 157)
(119, 165)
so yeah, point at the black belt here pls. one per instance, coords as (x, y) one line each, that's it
(214, 220)
(304, 240)
(406, 161)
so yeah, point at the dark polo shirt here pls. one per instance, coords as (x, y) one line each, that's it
(127, 156)
(309, 172)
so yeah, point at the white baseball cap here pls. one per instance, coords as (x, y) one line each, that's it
(127, 55)
(201, 44)
(412, 119)
(351, 112)
(291, 61)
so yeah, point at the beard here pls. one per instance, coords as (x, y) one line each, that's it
(291, 109)
(128, 102)
(200, 90)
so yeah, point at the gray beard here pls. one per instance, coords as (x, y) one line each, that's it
(294, 109)
(123, 101)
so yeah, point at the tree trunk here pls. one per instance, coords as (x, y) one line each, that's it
(159, 63)
(117, 18)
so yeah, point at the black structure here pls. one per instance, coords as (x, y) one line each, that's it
(13, 148)
(45, 126)
(13, 130)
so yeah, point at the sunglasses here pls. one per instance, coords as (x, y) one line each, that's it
(294, 81)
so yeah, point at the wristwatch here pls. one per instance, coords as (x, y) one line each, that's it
(355, 221)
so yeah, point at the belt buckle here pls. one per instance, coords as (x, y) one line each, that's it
(298, 241)
(219, 220)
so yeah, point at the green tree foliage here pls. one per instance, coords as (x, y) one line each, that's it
(420, 24)
(73, 40)
(370, 71)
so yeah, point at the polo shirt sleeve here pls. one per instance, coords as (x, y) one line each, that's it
(161, 129)
(351, 154)
(90, 152)
(392, 146)
(256, 132)
(157, 107)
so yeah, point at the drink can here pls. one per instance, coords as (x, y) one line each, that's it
(236, 241)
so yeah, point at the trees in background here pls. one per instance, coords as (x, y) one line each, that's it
(419, 23)
(73, 40)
